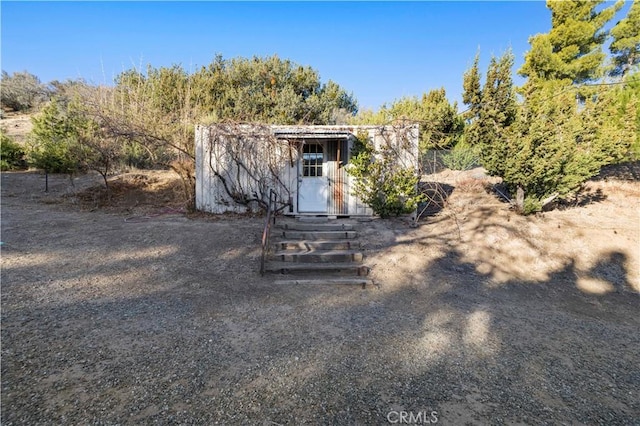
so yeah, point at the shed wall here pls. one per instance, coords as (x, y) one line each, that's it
(212, 155)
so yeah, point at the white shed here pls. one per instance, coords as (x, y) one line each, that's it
(238, 165)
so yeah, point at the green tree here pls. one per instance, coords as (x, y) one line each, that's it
(491, 110)
(269, 90)
(472, 93)
(53, 140)
(440, 125)
(562, 133)
(625, 46)
(572, 50)
(557, 144)
(65, 138)
(626, 110)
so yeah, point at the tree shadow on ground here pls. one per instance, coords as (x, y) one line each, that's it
(628, 171)
(213, 343)
(524, 347)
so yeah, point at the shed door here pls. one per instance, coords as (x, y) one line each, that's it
(313, 192)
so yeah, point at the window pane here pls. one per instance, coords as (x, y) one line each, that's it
(312, 159)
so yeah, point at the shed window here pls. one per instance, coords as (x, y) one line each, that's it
(312, 158)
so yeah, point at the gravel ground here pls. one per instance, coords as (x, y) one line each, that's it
(109, 318)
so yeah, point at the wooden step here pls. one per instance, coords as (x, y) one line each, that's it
(317, 235)
(296, 226)
(317, 245)
(332, 281)
(313, 219)
(318, 256)
(294, 267)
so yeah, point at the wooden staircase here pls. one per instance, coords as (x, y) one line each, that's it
(326, 252)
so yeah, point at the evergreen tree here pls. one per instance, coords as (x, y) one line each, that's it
(472, 98)
(556, 144)
(626, 41)
(626, 110)
(572, 50)
(268, 90)
(562, 134)
(54, 141)
(565, 133)
(472, 95)
(440, 125)
(492, 110)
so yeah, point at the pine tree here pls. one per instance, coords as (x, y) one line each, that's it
(492, 109)
(563, 133)
(626, 41)
(472, 98)
(54, 142)
(572, 50)
(440, 125)
(472, 95)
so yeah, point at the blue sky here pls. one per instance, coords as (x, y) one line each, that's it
(380, 51)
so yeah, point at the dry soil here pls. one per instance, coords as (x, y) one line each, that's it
(122, 309)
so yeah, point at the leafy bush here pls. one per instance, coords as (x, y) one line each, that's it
(12, 155)
(388, 189)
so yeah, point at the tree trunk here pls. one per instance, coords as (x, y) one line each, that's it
(520, 199)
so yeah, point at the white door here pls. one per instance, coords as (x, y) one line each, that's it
(312, 177)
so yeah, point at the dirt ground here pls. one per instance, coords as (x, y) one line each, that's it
(16, 126)
(122, 309)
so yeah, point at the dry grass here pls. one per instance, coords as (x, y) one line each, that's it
(594, 242)
(139, 192)
(16, 126)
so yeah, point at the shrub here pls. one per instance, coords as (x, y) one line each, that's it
(21, 91)
(461, 157)
(12, 154)
(388, 189)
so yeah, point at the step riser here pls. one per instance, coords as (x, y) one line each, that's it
(323, 235)
(335, 281)
(318, 257)
(315, 227)
(320, 270)
(317, 245)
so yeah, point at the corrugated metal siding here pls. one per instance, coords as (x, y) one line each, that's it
(339, 190)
